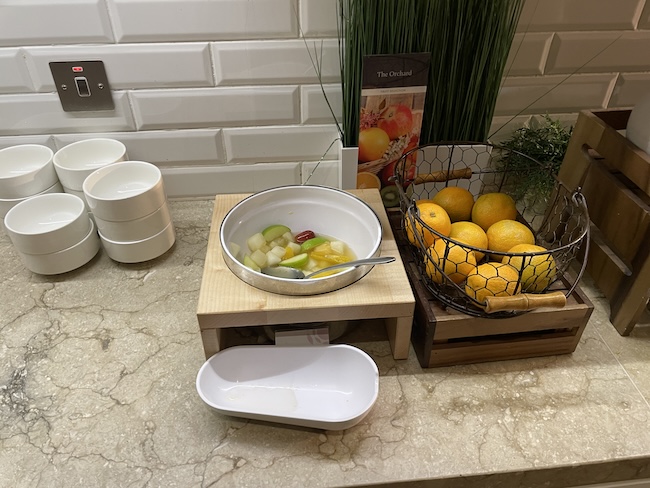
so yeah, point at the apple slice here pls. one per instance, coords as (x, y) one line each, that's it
(275, 231)
(298, 261)
(312, 243)
(251, 264)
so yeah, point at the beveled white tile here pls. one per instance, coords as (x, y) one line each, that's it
(215, 107)
(164, 65)
(192, 20)
(644, 18)
(556, 93)
(211, 181)
(14, 77)
(275, 62)
(629, 89)
(270, 144)
(163, 148)
(42, 113)
(599, 52)
(502, 127)
(314, 107)
(566, 15)
(325, 173)
(318, 17)
(44, 140)
(528, 54)
(27, 23)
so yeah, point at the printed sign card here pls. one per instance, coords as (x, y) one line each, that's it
(392, 102)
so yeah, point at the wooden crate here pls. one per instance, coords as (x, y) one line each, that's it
(226, 302)
(442, 336)
(614, 175)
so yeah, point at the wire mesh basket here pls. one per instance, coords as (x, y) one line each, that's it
(486, 281)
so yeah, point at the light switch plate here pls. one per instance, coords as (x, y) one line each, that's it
(82, 85)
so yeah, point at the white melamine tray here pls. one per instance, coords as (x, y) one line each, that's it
(328, 387)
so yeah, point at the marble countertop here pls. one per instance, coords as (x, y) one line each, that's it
(97, 389)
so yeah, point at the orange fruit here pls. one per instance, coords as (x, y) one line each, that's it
(472, 234)
(537, 271)
(368, 180)
(505, 234)
(455, 261)
(373, 143)
(489, 208)
(457, 201)
(492, 279)
(434, 216)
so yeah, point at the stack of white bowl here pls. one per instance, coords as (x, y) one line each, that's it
(25, 171)
(129, 205)
(52, 233)
(74, 162)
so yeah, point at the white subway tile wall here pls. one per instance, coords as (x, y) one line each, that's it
(223, 96)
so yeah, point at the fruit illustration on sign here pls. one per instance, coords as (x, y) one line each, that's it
(407, 168)
(373, 143)
(396, 121)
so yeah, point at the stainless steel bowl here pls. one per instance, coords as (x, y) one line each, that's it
(327, 211)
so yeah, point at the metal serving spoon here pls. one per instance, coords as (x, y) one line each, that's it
(296, 274)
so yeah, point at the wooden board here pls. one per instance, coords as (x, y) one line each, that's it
(614, 176)
(225, 301)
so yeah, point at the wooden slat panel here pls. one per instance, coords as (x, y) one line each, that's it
(498, 351)
(622, 217)
(615, 177)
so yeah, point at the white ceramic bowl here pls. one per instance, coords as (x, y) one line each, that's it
(47, 223)
(125, 191)
(26, 170)
(137, 229)
(327, 211)
(329, 387)
(8, 204)
(80, 194)
(140, 251)
(66, 260)
(76, 161)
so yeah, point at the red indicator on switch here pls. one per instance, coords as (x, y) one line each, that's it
(77, 69)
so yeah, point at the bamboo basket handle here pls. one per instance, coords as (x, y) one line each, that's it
(525, 301)
(440, 176)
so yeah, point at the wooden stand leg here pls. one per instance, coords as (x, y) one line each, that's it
(213, 341)
(399, 335)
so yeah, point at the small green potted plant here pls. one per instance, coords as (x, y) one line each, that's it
(545, 140)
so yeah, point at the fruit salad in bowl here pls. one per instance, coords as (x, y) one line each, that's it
(305, 227)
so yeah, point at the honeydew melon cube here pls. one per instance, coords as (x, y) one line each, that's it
(272, 259)
(278, 250)
(256, 241)
(259, 258)
(248, 262)
(294, 246)
(280, 241)
(338, 247)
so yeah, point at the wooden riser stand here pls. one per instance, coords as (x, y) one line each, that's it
(226, 302)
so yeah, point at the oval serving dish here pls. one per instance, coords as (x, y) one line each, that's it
(329, 387)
